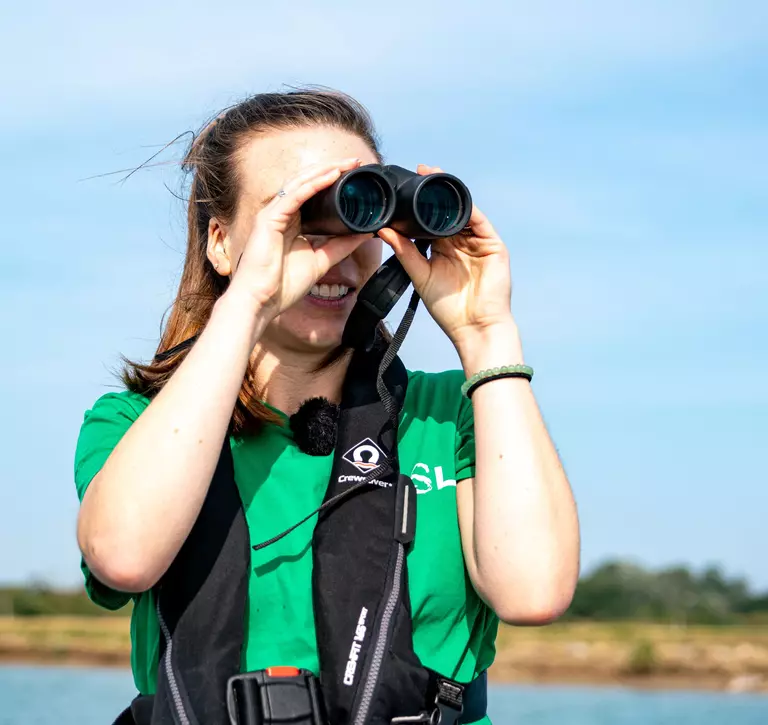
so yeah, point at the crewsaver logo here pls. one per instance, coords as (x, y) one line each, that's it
(365, 456)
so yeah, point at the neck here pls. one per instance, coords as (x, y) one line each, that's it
(285, 379)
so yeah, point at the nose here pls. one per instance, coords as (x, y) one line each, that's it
(317, 241)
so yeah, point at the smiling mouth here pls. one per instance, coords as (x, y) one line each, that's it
(330, 292)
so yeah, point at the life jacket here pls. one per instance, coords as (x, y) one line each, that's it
(369, 672)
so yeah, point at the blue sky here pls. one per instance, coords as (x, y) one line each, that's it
(619, 148)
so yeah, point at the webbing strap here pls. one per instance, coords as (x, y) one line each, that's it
(389, 356)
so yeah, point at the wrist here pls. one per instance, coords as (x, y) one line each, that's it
(492, 346)
(242, 311)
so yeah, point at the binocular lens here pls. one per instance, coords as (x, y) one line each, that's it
(439, 205)
(372, 197)
(363, 201)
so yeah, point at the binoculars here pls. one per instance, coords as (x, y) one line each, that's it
(372, 197)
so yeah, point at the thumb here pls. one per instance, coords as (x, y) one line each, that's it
(336, 249)
(414, 263)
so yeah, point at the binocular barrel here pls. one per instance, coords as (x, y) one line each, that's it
(372, 197)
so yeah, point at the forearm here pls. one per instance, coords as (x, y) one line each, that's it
(525, 538)
(139, 509)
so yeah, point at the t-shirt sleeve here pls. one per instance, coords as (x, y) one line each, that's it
(465, 441)
(103, 427)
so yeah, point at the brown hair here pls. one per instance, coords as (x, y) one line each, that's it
(214, 191)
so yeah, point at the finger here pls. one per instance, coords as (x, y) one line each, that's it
(302, 187)
(480, 226)
(425, 170)
(315, 170)
(413, 261)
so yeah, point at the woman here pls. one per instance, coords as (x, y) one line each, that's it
(497, 531)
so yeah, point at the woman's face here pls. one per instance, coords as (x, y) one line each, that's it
(267, 163)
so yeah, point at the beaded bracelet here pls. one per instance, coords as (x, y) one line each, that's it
(485, 376)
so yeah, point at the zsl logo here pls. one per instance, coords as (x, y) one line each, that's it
(424, 483)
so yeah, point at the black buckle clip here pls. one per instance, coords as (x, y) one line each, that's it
(449, 707)
(274, 696)
(449, 703)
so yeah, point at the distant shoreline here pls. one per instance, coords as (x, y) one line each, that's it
(553, 677)
(635, 655)
(679, 681)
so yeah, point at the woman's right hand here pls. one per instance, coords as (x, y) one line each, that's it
(278, 265)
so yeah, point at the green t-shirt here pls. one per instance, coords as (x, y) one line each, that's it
(453, 630)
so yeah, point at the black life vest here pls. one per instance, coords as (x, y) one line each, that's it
(369, 673)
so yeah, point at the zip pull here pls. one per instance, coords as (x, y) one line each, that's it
(405, 511)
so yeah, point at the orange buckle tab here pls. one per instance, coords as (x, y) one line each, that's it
(283, 671)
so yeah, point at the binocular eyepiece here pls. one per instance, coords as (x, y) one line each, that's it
(372, 197)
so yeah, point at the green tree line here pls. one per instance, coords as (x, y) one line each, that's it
(41, 600)
(615, 590)
(621, 590)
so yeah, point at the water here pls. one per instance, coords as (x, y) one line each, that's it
(521, 705)
(83, 696)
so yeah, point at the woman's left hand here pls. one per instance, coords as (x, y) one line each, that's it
(466, 283)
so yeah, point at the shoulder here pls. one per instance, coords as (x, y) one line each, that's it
(437, 417)
(110, 416)
(445, 380)
(435, 395)
(122, 404)
(446, 383)
(104, 424)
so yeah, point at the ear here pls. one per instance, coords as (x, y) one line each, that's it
(218, 246)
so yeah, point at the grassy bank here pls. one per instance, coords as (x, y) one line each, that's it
(76, 640)
(637, 654)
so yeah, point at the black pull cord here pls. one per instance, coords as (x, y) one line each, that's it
(378, 471)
